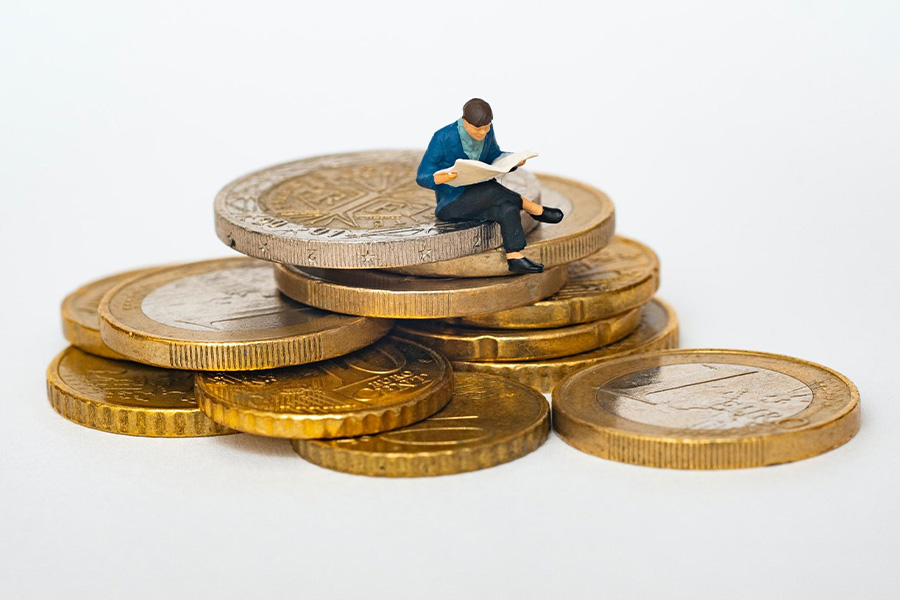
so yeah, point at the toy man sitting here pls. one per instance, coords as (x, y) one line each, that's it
(472, 137)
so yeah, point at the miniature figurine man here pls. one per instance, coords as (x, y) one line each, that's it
(472, 137)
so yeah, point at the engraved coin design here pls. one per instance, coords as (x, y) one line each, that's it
(124, 397)
(81, 324)
(224, 315)
(358, 210)
(588, 226)
(657, 330)
(488, 421)
(464, 343)
(622, 276)
(382, 294)
(706, 409)
(384, 386)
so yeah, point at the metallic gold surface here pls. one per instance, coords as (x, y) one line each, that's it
(622, 276)
(706, 409)
(384, 386)
(488, 421)
(382, 294)
(223, 315)
(463, 343)
(124, 397)
(81, 324)
(360, 210)
(588, 226)
(657, 330)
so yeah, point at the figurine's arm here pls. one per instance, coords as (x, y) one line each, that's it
(432, 162)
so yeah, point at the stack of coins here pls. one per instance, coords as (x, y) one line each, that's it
(298, 340)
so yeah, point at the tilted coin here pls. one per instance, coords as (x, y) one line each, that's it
(488, 421)
(657, 330)
(384, 386)
(81, 324)
(223, 315)
(706, 409)
(350, 211)
(124, 397)
(587, 227)
(464, 343)
(383, 294)
(621, 276)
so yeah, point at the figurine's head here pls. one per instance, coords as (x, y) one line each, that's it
(477, 117)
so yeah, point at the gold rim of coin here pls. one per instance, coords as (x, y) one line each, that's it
(124, 397)
(81, 323)
(706, 409)
(383, 294)
(621, 276)
(657, 330)
(587, 227)
(223, 315)
(463, 343)
(387, 385)
(488, 421)
(358, 210)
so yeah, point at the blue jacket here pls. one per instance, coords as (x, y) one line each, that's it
(443, 150)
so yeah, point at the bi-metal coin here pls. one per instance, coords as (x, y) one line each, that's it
(224, 315)
(488, 421)
(706, 409)
(657, 330)
(124, 397)
(351, 211)
(384, 386)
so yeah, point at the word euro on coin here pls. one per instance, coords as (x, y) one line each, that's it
(350, 211)
(224, 315)
(124, 397)
(488, 421)
(706, 409)
(384, 386)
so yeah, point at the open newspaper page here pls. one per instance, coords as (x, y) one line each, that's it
(475, 171)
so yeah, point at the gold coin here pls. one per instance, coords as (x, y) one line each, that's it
(706, 409)
(463, 343)
(657, 330)
(382, 294)
(587, 227)
(622, 276)
(223, 315)
(125, 397)
(384, 386)
(81, 324)
(488, 421)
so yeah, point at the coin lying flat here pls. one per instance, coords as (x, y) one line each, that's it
(464, 343)
(384, 386)
(706, 409)
(350, 211)
(657, 330)
(223, 315)
(587, 227)
(488, 421)
(383, 294)
(81, 324)
(125, 397)
(622, 276)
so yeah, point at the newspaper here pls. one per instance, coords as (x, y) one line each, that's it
(474, 171)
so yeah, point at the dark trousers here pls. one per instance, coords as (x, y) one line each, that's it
(489, 201)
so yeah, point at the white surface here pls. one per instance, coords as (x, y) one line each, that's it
(755, 146)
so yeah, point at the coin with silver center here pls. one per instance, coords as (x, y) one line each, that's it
(360, 210)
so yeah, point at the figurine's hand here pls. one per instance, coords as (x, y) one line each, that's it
(440, 178)
(521, 163)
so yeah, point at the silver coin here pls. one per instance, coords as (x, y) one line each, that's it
(351, 211)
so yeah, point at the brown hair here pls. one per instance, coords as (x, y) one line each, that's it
(477, 112)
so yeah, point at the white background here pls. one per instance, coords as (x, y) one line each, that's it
(753, 145)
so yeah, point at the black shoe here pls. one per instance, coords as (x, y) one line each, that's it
(524, 265)
(549, 215)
